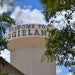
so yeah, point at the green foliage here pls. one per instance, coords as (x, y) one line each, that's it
(2, 61)
(3, 43)
(60, 47)
(5, 18)
(73, 70)
(51, 6)
(60, 44)
(5, 21)
(4, 73)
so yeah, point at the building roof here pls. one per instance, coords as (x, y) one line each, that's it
(9, 68)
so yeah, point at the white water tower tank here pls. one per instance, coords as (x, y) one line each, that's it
(27, 44)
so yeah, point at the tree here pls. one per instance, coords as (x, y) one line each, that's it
(60, 44)
(52, 6)
(4, 73)
(5, 21)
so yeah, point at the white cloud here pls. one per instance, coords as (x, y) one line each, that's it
(27, 16)
(69, 73)
(3, 9)
(21, 16)
(6, 5)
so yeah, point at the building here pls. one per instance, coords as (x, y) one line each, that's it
(7, 68)
(26, 43)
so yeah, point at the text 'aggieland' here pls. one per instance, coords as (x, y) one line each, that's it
(26, 30)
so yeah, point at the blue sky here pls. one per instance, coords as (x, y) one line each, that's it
(32, 3)
(35, 6)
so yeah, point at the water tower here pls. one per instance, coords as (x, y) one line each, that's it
(26, 43)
